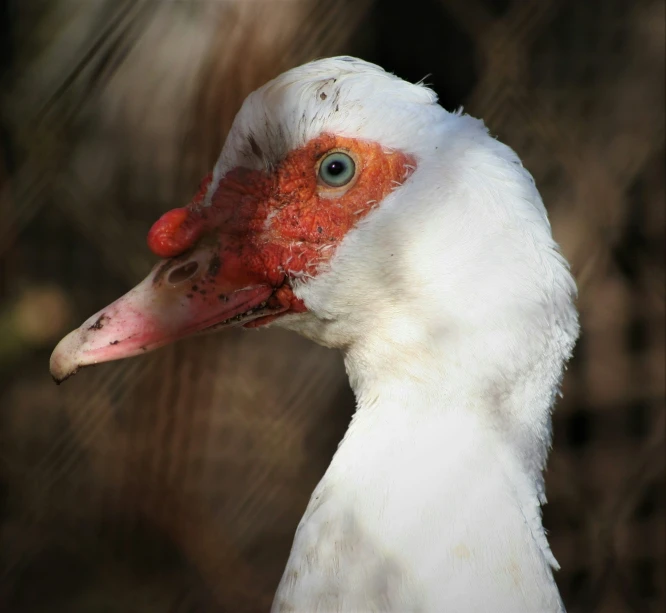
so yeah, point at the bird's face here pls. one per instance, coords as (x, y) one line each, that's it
(234, 254)
(348, 205)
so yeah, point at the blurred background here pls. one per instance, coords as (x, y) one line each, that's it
(174, 482)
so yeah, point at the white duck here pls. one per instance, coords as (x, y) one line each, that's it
(347, 205)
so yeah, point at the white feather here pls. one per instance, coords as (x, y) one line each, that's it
(454, 310)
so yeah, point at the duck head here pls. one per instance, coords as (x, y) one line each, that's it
(349, 206)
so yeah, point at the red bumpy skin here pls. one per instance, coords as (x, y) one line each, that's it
(233, 262)
(275, 226)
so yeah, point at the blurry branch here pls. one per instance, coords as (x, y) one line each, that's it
(99, 56)
(43, 120)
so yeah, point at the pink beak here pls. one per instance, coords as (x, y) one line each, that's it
(159, 310)
(221, 269)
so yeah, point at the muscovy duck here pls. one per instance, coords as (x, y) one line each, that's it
(348, 206)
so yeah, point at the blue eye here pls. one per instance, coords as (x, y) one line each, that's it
(337, 169)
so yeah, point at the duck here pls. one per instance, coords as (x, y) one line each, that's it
(348, 206)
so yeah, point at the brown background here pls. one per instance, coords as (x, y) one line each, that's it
(174, 482)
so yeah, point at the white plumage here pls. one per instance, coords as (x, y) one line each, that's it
(454, 311)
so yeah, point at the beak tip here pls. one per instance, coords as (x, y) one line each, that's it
(58, 380)
(64, 359)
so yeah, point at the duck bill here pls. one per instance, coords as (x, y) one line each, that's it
(191, 294)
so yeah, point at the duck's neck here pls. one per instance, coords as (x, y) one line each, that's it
(430, 490)
(445, 449)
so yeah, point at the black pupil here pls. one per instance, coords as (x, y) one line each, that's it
(336, 167)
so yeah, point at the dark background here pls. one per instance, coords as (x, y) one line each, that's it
(174, 482)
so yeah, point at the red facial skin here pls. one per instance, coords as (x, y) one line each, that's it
(272, 227)
(233, 262)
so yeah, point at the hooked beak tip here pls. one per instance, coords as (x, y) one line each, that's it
(64, 360)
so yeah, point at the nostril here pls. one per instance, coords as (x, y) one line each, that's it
(183, 273)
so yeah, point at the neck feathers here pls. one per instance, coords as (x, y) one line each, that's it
(432, 499)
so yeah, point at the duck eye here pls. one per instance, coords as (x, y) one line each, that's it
(337, 169)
